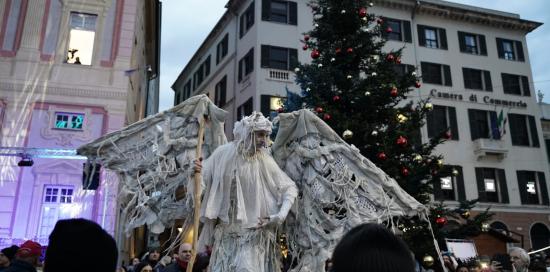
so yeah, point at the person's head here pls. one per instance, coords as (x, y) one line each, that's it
(7, 254)
(252, 133)
(29, 252)
(122, 269)
(75, 240)
(371, 247)
(135, 261)
(143, 267)
(165, 260)
(154, 255)
(185, 252)
(462, 268)
(519, 257)
(174, 257)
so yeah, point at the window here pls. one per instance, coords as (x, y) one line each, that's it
(220, 92)
(532, 188)
(177, 98)
(186, 90)
(245, 109)
(477, 79)
(202, 72)
(441, 119)
(547, 142)
(12, 26)
(55, 206)
(480, 127)
(432, 37)
(472, 43)
(81, 38)
(403, 69)
(523, 130)
(285, 12)
(279, 57)
(221, 49)
(246, 20)
(271, 104)
(401, 29)
(435, 73)
(515, 84)
(246, 64)
(510, 50)
(491, 185)
(70, 121)
(450, 187)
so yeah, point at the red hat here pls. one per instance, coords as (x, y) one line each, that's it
(29, 248)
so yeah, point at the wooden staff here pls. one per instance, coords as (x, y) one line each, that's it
(197, 194)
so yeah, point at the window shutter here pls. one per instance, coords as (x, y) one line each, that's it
(431, 124)
(503, 186)
(265, 56)
(266, 10)
(424, 69)
(241, 26)
(480, 185)
(500, 49)
(462, 41)
(533, 130)
(384, 27)
(467, 78)
(519, 49)
(293, 59)
(452, 119)
(292, 13)
(447, 75)
(443, 38)
(407, 31)
(488, 83)
(460, 184)
(473, 128)
(482, 45)
(241, 70)
(264, 104)
(525, 86)
(543, 188)
(495, 132)
(421, 35)
(522, 186)
(438, 194)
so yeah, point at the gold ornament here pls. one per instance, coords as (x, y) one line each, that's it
(455, 172)
(428, 261)
(347, 134)
(418, 158)
(429, 106)
(439, 163)
(466, 214)
(367, 93)
(402, 118)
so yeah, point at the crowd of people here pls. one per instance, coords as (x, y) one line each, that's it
(82, 245)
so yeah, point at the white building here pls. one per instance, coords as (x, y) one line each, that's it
(475, 67)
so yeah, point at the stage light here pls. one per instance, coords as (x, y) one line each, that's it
(25, 162)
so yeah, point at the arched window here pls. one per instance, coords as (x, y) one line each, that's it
(499, 226)
(540, 236)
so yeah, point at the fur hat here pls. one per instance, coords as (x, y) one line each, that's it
(29, 248)
(10, 251)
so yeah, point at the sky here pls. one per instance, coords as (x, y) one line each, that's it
(186, 23)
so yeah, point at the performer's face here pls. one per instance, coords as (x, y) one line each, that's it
(260, 138)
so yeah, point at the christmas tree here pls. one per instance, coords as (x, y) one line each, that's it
(362, 92)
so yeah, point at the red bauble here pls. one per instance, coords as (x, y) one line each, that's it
(319, 110)
(417, 84)
(362, 12)
(390, 57)
(441, 221)
(336, 98)
(381, 156)
(315, 54)
(398, 60)
(338, 50)
(401, 141)
(394, 92)
(448, 135)
(305, 47)
(350, 50)
(279, 110)
(327, 116)
(306, 38)
(379, 21)
(404, 171)
(389, 30)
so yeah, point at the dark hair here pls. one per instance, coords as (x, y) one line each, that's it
(74, 240)
(371, 247)
(141, 265)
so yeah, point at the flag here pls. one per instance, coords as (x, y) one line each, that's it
(502, 123)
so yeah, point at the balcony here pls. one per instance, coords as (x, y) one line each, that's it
(279, 75)
(490, 148)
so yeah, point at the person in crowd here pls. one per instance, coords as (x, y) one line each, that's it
(26, 258)
(371, 247)
(520, 259)
(133, 262)
(449, 262)
(202, 260)
(164, 261)
(153, 258)
(6, 256)
(462, 268)
(73, 241)
(143, 267)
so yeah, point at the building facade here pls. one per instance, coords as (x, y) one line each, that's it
(474, 66)
(70, 72)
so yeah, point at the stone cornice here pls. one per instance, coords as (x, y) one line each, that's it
(121, 95)
(463, 13)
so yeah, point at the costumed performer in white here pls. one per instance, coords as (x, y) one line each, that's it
(246, 196)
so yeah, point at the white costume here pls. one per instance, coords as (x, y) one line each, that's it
(243, 183)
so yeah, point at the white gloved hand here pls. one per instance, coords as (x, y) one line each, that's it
(279, 217)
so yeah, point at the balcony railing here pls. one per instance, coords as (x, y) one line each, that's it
(490, 148)
(279, 75)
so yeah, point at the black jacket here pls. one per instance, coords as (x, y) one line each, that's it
(20, 266)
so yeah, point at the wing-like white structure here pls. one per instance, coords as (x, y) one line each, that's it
(339, 188)
(154, 157)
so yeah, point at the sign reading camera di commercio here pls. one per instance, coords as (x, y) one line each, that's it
(474, 99)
